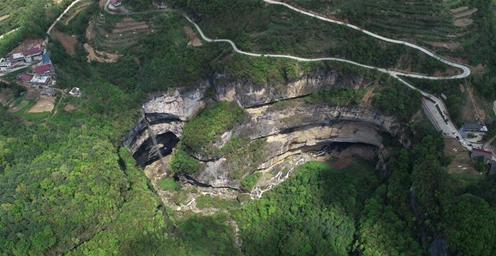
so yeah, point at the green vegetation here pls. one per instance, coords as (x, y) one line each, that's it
(274, 29)
(210, 123)
(322, 211)
(396, 100)
(67, 187)
(168, 184)
(250, 180)
(184, 163)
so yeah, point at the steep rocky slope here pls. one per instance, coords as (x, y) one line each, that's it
(288, 125)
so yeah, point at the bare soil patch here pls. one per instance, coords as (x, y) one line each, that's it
(478, 70)
(4, 17)
(193, 38)
(68, 42)
(459, 9)
(69, 107)
(102, 3)
(462, 161)
(130, 27)
(44, 104)
(100, 56)
(449, 45)
(90, 31)
(463, 22)
(465, 13)
(367, 99)
(479, 112)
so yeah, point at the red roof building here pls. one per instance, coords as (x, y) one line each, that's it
(26, 77)
(43, 69)
(36, 50)
(488, 155)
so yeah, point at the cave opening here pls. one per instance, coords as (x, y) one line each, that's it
(147, 152)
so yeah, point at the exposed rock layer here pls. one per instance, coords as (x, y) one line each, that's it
(293, 129)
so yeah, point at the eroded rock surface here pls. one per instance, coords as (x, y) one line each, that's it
(296, 128)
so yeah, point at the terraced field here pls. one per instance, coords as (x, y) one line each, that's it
(440, 24)
(10, 14)
(113, 34)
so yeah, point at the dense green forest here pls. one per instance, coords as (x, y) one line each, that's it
(68, 187)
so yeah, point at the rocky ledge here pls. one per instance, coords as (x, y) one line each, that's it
(293, 129)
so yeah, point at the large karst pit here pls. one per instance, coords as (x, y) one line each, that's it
(296, 132)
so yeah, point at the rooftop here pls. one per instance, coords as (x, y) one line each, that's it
(43, 68)
(472, 126)
(26, 77)
(34, 50)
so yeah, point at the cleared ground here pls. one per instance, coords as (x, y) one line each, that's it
(44, 104)
(100, 56)
(193, 37)
(68, 42)
(69, 107)
(462, 163)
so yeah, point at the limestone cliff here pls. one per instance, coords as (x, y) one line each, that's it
(291, 128)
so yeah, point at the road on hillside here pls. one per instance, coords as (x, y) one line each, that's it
(437, 111)
(10, 32)
(61, 15)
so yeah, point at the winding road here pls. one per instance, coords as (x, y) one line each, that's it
(447, 127)
(437, 111)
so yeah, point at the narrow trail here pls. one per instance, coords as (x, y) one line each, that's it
(62, 15)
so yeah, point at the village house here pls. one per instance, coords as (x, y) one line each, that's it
(45, 59)
(18, 56)
(48, 92)
(76, 92)
(33, 51)
(45, 69)
(474, 127)
(37, 79)
(26, 78)
(5, 63)
(487, 155)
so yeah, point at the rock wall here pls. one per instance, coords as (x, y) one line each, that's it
(292, 129)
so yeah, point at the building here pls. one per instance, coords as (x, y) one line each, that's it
(26, 77)
(17, 56)
(37, 79)
(45, 69)
(33, 51)
(487, 155)
(472, 127)
(116, 3)
(48, 92)
(45, 59)
(5, 63)
(76, 92)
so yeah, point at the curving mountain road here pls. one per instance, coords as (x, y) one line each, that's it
(61, 15)
(437, 110)
(466, 70)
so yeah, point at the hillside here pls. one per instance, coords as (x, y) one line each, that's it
(298, 137)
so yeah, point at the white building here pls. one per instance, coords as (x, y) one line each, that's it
(18, 56)
(75, 92)
(5, 63)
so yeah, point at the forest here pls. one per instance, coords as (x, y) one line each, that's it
(68, 187)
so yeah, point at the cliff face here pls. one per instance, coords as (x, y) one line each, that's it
(290, 127)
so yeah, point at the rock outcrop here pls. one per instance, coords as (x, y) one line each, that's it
(293, 129)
